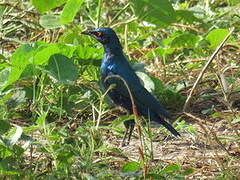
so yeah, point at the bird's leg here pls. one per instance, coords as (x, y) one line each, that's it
(131, 128)
(124, 137)
(129, 125)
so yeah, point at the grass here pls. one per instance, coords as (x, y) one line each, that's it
(58, 123)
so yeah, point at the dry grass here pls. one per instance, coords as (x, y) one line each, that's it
(213, 150)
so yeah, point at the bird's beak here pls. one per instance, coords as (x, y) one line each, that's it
(87, 32)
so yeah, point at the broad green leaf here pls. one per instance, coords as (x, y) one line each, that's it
(20, 59)
(15, 137)
(233, 2)
(71, 38)
(136, 66)
(30, 71)
(187, 16)
(7, 166)
(4, 149)
(50, 21)
(4, 75)
(62, 69)
(89, 53)
(171, 167)
(70, 10)
(121, 119)
(158, 12)
(17, 98)
(155, 176)
(158, 84)
(4, 126)
(160, 51)
(130, 166)
(2, 57)
(194, 65)
(164, 51)
(44, 5)
(186, 40)
(45, 51)
(216, 115)
(216, 36)
(146, 81)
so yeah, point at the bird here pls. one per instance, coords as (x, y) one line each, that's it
(116, 72)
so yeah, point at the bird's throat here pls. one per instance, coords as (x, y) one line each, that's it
(114, 49)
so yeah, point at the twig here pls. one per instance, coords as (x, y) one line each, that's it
(118, 14)
(188, 27)
(129, 91)
(186, 105)
(124, 22)
(140, 148)
(199, 121)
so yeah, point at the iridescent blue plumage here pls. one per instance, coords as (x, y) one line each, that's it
(115, 63)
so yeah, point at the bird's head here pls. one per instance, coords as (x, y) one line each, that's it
(104, 35)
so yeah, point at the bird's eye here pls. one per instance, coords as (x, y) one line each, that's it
(99, 34)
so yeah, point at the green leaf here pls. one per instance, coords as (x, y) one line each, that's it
(20, 59)
(158, 12)
(130, 166)
(45, 51)
(236, 120)
(41, 119)
(188, 171)
(15, 137)
(158, 84)
(6, 167)
(233, 2)
(121, 119)
(170, 168)
(17, 98)
(4, 126)
(27, 56)
(44, 5)
(186, 40)
(187, 16)
(50, 21)
(70, 10)
(2, 57)
(146, 81)
(4, 75)
(91, 72)
(62, 69)
(89, 53)
(155, 176)
(71, 38)
(216, 36)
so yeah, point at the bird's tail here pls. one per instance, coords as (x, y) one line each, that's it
(158, 119)
(169, 127)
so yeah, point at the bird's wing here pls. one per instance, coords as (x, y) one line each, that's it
(145, 98)
(140, 94)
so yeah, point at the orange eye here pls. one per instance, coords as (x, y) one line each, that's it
(99, 34)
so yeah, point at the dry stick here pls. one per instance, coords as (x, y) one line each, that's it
(136, 118)
(226, 100)
(129, 91)
(132, 100)
(186, 105)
